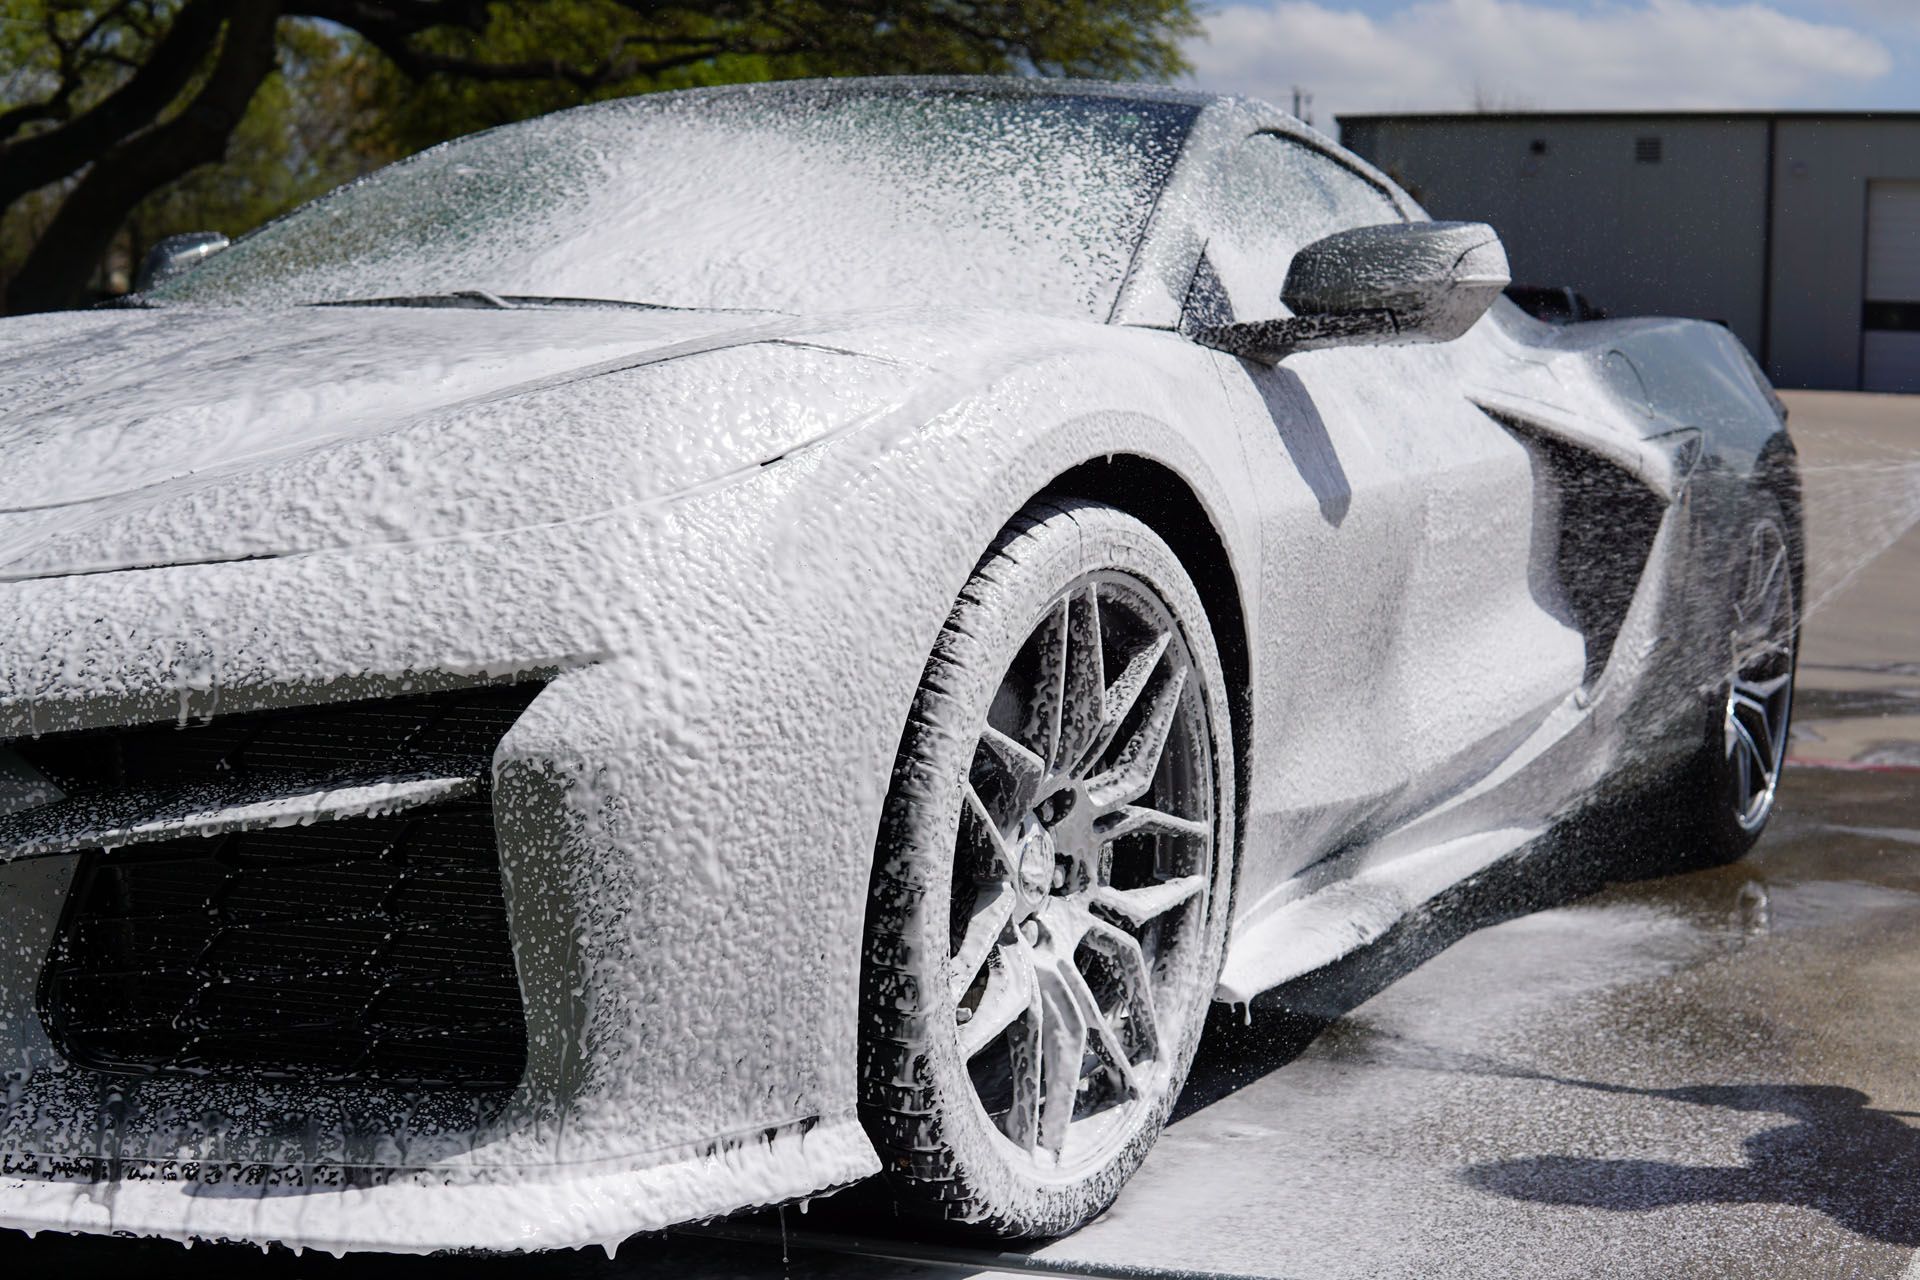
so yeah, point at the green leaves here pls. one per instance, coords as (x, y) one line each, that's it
(531, 58)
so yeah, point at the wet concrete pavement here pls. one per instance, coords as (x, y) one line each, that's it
(1708, 1074)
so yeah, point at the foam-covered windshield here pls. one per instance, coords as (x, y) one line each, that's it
(809, 199)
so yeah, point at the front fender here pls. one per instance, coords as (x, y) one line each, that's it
(691, 879)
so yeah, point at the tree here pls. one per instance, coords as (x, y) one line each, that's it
(123, 119)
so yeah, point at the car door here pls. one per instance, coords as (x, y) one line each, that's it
(1413, 632)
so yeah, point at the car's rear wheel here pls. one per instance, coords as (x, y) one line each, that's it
(1050, 892)
(1731, 791)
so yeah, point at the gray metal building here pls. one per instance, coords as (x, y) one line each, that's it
(1799, 230)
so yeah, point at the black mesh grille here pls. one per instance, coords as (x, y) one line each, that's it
(370, 949)
(455, 730)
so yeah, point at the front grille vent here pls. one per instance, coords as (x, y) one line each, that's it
(456, 731)
(369, 949)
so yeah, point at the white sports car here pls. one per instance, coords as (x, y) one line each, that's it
(690, 652)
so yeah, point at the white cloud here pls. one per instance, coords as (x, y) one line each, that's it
(1456, 54)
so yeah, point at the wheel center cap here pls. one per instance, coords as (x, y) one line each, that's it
(1035, 869)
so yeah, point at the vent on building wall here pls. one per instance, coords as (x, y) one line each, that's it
(1647, 150)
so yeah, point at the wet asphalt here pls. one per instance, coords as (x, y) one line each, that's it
(1574, 1067)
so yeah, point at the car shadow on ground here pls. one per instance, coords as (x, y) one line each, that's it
(1836, 1155)
(1243, 1045)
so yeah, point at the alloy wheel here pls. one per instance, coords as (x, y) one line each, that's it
(1082, 876)
(1760, 693)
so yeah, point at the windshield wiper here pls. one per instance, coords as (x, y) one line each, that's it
(458, 298)
(480, 298)
(529, 300)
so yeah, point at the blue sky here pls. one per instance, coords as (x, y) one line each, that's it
(1451, 55)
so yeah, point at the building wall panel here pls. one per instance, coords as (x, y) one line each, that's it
(1824, 167)
(1580, 202)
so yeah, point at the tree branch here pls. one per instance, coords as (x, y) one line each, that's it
(400, 19)
(418, 64)
(55, 272)
(52, 154)
(14, 119)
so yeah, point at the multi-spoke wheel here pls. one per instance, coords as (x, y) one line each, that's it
(1760, 690)
(1051, 889)
(1733, 791)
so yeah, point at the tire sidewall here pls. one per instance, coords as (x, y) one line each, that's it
(1026, 572)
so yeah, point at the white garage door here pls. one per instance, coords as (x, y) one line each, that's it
(1890, 342)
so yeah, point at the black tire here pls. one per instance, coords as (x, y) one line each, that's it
(933, 1108)
(1723, 801)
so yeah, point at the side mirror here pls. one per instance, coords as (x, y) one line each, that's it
(175, 254)
(1396, 283)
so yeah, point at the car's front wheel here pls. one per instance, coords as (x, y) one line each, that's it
(1050, 892)
(1730, 793)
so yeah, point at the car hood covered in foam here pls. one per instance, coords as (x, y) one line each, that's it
(145, 438)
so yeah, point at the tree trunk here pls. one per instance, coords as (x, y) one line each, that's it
(56, 271)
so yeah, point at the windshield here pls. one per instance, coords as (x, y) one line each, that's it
(800, 200)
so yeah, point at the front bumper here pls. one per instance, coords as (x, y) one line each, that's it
(675, 1069)
(338, 1210)
(689, 970)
